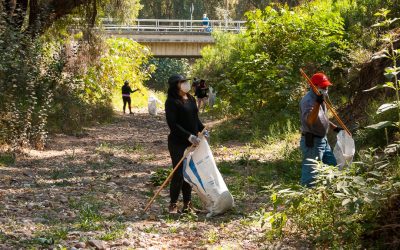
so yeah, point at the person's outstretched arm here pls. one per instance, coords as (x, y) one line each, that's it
(132, 91)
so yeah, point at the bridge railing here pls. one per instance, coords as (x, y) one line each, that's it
(175, 25)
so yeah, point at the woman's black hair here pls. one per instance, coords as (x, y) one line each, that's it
(173, 90)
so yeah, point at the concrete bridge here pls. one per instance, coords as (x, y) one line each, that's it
(173, 38)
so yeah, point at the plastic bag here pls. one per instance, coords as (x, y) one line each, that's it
(212, 97)
(201, 172)
(152, 105)
(344, 149)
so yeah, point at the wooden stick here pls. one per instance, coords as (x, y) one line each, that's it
(170, 175)
(314, 88)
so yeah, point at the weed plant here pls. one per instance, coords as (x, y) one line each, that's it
(158, 177)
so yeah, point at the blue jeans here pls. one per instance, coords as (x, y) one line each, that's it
(321, 152)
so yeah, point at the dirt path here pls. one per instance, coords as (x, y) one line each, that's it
(88, 192)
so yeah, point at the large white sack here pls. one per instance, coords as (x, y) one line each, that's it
(212, 97)
(344, 149)
(152, 105)
(201, 172)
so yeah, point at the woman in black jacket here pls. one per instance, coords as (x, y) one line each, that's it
(182, 118)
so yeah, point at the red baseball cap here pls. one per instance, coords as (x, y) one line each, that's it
(320, 80)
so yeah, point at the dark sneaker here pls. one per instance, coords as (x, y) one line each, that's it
(173, 208)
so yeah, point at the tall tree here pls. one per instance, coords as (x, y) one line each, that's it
(180, 9)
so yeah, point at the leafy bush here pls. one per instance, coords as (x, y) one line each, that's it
(165, 67)
(6, 159)
(160, 176)
(259, 69)
(122, 60)
(342, 206)
(50, 86)
(391, 73)
(27, 79)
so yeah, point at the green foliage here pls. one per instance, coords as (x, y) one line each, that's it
(391, 73)
(27, 78)
(212, 236)
(123, 11)
(61, 82)
(6, 159)
(122, 60)
(69, 112)
(178, 9)
(261, 128)
(89, 217)
(50, 237)
(231, 9)
(258, 70)
(165, 67)
(114, 232)
(158, 177)
(341, 206)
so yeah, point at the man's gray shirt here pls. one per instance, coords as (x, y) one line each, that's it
(321, 125)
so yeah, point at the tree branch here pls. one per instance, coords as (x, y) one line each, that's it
(45, 13)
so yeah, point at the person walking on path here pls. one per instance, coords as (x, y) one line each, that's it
(314, 128)
(126, 96)
(184, 124)
(202, 94)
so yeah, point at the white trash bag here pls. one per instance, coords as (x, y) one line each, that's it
(212, 97)
(344, 149)
(152, 105)
(201, 172)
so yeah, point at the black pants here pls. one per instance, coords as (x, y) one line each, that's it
(126, 100)
(177, 184)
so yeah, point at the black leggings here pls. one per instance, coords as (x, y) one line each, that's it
(177, 184)
(126, 100)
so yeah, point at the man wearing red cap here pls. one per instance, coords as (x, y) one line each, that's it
(315, 125)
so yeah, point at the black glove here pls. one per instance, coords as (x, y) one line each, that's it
(337, 129)
(320, 99)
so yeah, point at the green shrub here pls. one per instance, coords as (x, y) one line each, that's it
(158, 177)
(27, 79)
(341, 207)
(259, 69)
(6, 159)
(165, 67)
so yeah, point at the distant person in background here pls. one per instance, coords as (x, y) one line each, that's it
(195, 84)
(206, 22)
(201, 93)
(126, 96)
